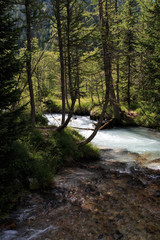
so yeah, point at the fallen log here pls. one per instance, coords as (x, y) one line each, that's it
(92, 129)
(106, 124)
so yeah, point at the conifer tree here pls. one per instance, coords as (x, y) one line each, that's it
(9, 66)
(10, 124)
(153, 49)
(150, 79)
(129, 17)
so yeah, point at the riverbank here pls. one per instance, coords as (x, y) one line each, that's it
(134, 139)
(36, 158)
(102, 200)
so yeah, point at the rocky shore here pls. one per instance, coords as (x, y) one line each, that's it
(103, 200)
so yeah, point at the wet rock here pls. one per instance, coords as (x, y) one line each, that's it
(157, 194)
(101, 237)
(93, 201)
(117, 235)
(156, 160)
(10, 225)
(9, 234)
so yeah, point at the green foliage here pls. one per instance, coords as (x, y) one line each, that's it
(40, 119)
(53, 107)
(90, 152)
(26, 160)
(151, 62)
(68, 140)
(36, 139)
(84, 108)
(10, 114)
(147, 116)
(15, 169)
(36, 158)
(135, 71)
(45, 155)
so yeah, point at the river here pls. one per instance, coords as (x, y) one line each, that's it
(115, 198)
(139, 140)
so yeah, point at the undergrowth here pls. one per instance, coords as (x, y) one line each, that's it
(36, 158)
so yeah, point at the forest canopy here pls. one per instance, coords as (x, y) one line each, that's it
(67, 47)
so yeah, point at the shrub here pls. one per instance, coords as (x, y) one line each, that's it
(38, 157)
(36, 139)
(67, 140)
(90, 153)
(53, 107)
(14, 175)
(84, 108)
(41, 119)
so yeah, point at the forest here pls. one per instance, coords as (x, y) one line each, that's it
(84, 57)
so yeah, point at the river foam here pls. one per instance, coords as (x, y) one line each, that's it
(134, 139)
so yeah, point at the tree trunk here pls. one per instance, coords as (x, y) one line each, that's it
(129, 82)
(69, 65)
(68, 52)
(116, 108)
(117, 82)
(78, 81)
(60, 43)
(70, 114)
(28, 61)
(99, 101)
(117, 60)
(107, 65)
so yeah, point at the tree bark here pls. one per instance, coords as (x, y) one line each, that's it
(28, 61)
(70, 114)
(104, 25)
(68, 51)
(78, 80)
(117, 60)
(60, 43)
(116, 108)
(129, 82)
(117, 82)
(72, 90)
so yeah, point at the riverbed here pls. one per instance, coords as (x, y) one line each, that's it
(117, 197)
(103, 200)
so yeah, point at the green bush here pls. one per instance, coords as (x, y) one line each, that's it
(85, 107)
(52, 107)
(147, 118)
(41, 119)
(71, 152)
(14, 175)
(36, 139)
(90, 153)
(37, 158)
(42, 167)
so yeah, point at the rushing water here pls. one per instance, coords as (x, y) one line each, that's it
(110, 199)
(134, 139)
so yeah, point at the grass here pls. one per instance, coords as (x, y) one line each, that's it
(37, 158)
